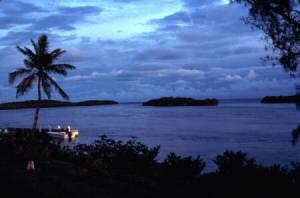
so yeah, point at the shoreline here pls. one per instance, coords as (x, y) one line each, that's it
(29, 104)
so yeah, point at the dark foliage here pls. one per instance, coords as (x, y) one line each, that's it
(280, 21)
(231, 163)
(52, 103)
(109, 168)
(182, 167)
(107, 154)
(295, 135)
(281, 99)
(178, 101)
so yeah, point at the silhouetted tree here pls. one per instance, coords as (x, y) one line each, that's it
(39, 64)
(231, 163)
(280, 21)
(295, 135)
(183, 167)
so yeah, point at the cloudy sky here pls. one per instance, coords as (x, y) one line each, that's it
(133, 50)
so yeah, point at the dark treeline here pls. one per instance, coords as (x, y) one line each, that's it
(281, 99)
(53, 103)
(180, 101)
(109, 168)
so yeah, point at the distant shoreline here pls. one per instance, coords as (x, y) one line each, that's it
(53, 103)
(179, 101)
(171, 101)
(281, 99)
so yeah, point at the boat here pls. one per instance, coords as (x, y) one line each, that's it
(63, 133)
(56, 133)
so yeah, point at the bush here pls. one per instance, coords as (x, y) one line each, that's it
(131, 156)
(185, 167)
(232, 163)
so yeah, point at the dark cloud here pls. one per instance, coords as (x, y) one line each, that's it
(160, 53)
(127, 1)
(66, 18)
(7, 22)
(216, 18)
(19, 8)
(174, 19)
(60, 22)
(17, 13)
(13, 38)
(80, 11)
(197, 3)
(212, 35)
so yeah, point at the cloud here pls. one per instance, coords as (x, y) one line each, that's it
(160, 53)
(175, 19)
(251, 75)
(66, 18)
(80, 11)
(233, 77)
(140, 74)
(20, 8)
(198, 3)
(127, 1)
(18, 13)
(141, 91)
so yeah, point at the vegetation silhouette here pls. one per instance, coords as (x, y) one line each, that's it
(110, 168)
(280, 21)
(281, 99)
(179, 101)
(295, 135)
(39, 64)
(53, 103)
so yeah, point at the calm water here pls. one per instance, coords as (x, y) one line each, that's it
(263, 131)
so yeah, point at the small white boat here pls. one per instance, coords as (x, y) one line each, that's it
(58, 135)
(63, 133)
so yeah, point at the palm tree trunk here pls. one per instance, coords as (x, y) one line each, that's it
(37, 110)
(30, 164)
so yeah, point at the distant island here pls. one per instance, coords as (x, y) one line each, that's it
(179, 101)
(281, 99)
(53, 103)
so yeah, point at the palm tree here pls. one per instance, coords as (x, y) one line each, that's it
(39, 64)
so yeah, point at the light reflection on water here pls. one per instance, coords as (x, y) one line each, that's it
(264, 131)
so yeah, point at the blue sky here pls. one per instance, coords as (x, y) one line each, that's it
(134, 50)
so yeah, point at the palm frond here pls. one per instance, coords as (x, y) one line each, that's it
(58, 88)
(27, 52)
(29, 63)
(25, 85)
(46, 84)
(61, 69)
(36, 49)
(12, 77)
(57, 53)
(43, 44)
